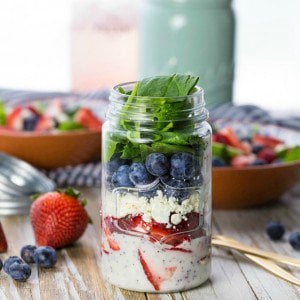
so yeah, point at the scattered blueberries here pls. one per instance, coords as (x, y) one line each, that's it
(275, 230)
(139, 175)
(157, 164)
(27, 253)
(218, 162)
(257, 148)
(10, 261)
(177, 173)
(19, 271)
(294, 240)
(113, 165)
(120, 178)
(45, 257)
(182, 166)
(29, 123)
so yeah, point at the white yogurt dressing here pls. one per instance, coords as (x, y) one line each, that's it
(123, 268)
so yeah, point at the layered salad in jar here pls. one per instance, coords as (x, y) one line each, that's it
(156, 193)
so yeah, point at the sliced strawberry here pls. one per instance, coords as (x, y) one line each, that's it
(33, 110)
(135, 224)
(45, 124)
(242, 160)
(14, 119)
(3, 242)
(180, 250)
(170, 271)
(104, 249)
(113, 245)
(167, 236)
(266, 141)
(86, 118)
(267, 154)
(228, 135)
(154, 279)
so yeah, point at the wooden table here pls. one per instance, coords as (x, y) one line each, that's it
(77, 274)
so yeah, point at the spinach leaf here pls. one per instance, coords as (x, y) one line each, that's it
(175, 138)
(224, 151)
(131, 151)
(167, 86)
(2, 114)
(155, 96)
(290, 154)
(110, 149)
(69, 125)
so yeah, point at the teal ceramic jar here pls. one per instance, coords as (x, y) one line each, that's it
(189, 36)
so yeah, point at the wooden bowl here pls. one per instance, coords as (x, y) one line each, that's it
(245, 187)
(234, 188)
(52, 150)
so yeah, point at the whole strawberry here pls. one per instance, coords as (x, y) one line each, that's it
(58, 218)
(3, 243)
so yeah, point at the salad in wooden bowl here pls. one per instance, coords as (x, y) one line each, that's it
(50, 135)
(253, 164)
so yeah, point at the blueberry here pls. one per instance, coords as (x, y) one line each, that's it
(45, 257)
(196, 181)
(218, 162)
(10, 261)
(139, 175)
(257, 148)
(120, 178)
(259, 162)
(294, 240)
(157, 164)
(1, 264)
(182, 166)
(113, 165)
(246, 139)
(177, 189)
(29, 123)
(27, 253)
(19, 272)
(275, 230)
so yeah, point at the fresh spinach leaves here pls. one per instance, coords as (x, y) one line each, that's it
(164, 98)
(167, 86)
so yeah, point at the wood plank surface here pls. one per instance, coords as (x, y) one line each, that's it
(77, 273)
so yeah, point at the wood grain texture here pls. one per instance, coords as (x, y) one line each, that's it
(77, 274)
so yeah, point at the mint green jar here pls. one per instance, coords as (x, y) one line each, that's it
(189, 36)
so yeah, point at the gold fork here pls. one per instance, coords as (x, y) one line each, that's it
(265, 259)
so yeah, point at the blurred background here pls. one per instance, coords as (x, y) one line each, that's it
(82, 45)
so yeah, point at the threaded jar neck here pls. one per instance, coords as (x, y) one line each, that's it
(147, 110)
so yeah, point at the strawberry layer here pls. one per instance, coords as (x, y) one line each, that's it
(155, 267)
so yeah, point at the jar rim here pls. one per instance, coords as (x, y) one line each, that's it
(115, 93)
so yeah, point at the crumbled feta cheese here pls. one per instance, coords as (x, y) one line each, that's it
(176, 219)
(158, 208)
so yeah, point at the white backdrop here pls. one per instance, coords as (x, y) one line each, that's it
(268, 54)
(35, 49)
(35, 44)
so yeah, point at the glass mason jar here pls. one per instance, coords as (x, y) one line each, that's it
(189, 36)
(156, 192)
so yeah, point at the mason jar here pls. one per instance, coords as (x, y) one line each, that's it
(189, 36)
(156, 192)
